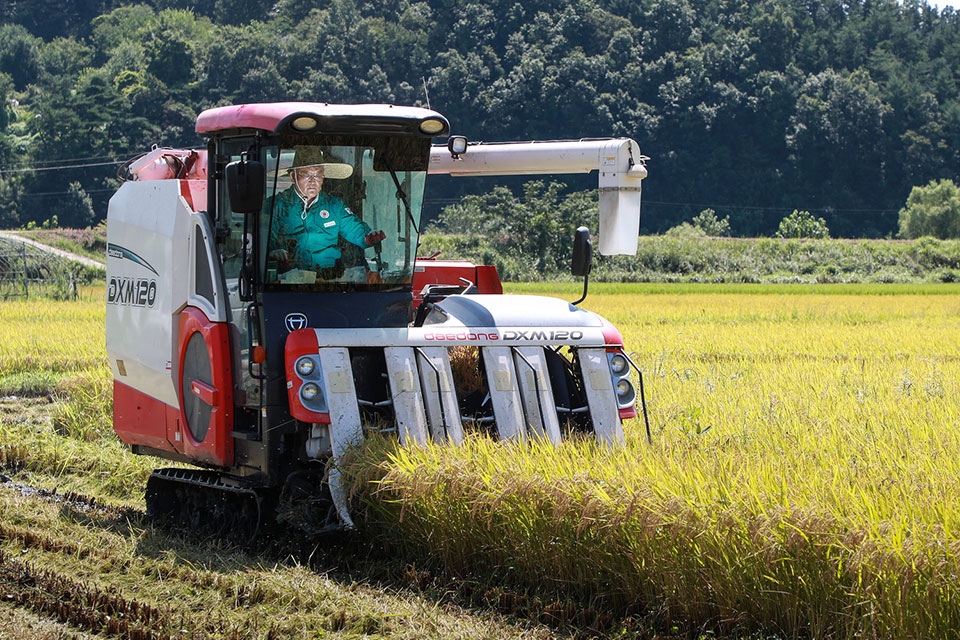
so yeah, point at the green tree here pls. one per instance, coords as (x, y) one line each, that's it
(803, 224)
(19, 55)
(837, 137)
(537, 230)
(76, 209)
(9, 203)
(711, 225)
(932, 210)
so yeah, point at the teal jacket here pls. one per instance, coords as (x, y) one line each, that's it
(309, 234)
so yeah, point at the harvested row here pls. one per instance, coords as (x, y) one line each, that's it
(97, 570)
(79, 604)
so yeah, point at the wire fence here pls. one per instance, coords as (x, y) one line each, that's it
(26, 271)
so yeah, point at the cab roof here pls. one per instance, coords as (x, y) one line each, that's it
(278, 117)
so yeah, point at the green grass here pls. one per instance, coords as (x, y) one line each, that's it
(29, 384)
(90, 242)
(64, 568)
(695, 288)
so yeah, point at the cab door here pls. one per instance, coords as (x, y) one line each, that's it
(238, 233)
(205, 363)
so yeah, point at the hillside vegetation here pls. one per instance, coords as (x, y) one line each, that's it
(721, 260)
(752, 108)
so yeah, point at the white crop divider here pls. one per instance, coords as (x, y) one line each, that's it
(346, 429)
(601, 396)
(406, 394)
(504, 392)
(541, 412)
(444, 420)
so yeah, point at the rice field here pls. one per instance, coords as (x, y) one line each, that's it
(801, 481)
(57, 337)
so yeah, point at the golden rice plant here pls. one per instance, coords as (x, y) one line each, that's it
(47, 335)
(801, 478)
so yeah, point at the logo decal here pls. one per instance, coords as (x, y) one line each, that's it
(324, 214)
(295, 321)
(116, 251)
(132, 292)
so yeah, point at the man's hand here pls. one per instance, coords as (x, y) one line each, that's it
(374, 237)
(280, 255)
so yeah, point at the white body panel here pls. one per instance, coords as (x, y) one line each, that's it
(149, 237)
(152, 240)
(202, 232)
(450, 335)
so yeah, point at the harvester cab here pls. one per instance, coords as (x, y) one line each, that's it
(266, 309)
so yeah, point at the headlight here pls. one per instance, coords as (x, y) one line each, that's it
(305, 366)
(304, 123)
(625, 392)
(457, 145)
(309, 391)
(432, 126)
(618, 364)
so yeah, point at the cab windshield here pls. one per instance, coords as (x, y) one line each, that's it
(341, 213)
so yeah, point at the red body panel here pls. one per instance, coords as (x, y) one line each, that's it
(217, 446)
(610, 333)
(300, 343)
(485, 277)
(142, 419)
(170, 164)
(612, 336)
(205, 392)
(195, 193)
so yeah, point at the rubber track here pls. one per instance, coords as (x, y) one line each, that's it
(200, 502)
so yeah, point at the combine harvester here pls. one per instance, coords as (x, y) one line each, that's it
(257, 336)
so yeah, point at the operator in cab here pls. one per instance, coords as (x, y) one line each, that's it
(307, 221)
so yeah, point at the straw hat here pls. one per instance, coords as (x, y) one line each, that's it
(314, 157)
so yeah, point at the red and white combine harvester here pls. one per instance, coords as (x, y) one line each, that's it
(266, 308)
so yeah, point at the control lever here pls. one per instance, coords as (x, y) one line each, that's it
(378, 250)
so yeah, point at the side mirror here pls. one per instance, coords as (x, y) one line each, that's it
(582, 253)
(582, 259)
(245, 185)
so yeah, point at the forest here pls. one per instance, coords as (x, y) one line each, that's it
(753, 109)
